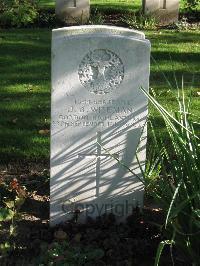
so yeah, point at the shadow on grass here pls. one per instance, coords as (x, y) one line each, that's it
(25, 94)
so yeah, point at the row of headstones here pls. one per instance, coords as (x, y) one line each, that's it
(78, 11)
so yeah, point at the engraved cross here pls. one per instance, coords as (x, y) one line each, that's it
(98, 156)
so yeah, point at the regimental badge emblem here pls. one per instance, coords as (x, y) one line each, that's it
(101, 71)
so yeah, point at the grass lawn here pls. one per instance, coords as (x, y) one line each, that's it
(47, 3)
(112, 3)
(24, 93)
(108, 5)
(120, 5)
(25, 85)
(177, 58)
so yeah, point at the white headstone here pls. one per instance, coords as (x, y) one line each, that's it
(165, 11)
(73, 11)
(98, 119)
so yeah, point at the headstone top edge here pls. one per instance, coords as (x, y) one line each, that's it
(56, 37)
(98, 29)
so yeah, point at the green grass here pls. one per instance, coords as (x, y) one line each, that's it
(104, 5)
(24, 93)
(174, 56)
(47, 3)
(113, 5)
(25, 85)
(110, 5)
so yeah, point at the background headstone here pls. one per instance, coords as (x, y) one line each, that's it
(98, 119)
(165, 11)
(73, 11)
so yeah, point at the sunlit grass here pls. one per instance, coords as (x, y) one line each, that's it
(98, 2)
(103, 5)
(25, 94)
(113, 5)
(106, 5)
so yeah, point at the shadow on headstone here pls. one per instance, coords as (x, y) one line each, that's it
(98, 121)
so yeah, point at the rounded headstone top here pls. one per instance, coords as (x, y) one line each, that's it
(99, 30)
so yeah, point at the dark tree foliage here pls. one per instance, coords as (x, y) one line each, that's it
(17, 13)
(191, 5)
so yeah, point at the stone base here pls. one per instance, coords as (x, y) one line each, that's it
(166, 17)
(165, 12)
(73, 12)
